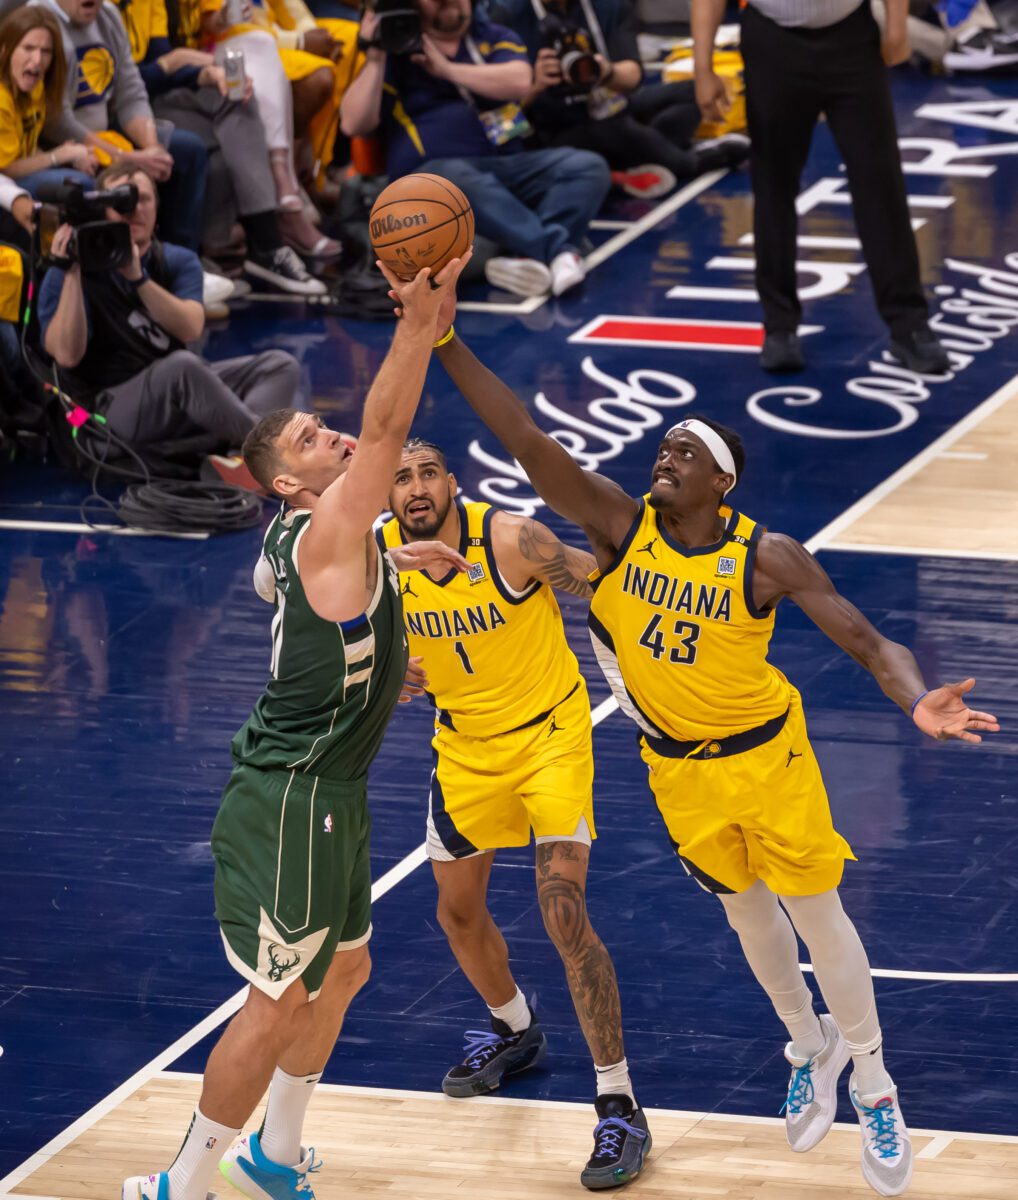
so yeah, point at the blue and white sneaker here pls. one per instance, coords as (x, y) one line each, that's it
(812, 1098)
(149, 1187)
(489, 1056)
(259, 1178)
(621, 1144)
(886, 1146)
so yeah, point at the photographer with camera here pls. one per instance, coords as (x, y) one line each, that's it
(445, 87)
(32, 84)
(587, 93)
(120, 337)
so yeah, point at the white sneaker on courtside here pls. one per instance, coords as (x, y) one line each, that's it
(521, 276)
(259, 1178)
(568, 270)
(150, 1187)
(813, 1089)
(886, 1146)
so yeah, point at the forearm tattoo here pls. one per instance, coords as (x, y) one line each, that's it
(564, 567)
(589, 970)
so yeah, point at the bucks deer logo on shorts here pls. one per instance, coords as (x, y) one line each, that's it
(279, 964)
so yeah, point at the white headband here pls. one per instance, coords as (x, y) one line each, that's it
(714, 443)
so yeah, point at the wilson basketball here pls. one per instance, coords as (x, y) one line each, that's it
(420, 221)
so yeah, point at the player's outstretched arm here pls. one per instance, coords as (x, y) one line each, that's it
(527, 550)
(785, 568)
(333, 559)
(595, 503)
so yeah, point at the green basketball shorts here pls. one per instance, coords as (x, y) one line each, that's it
(293, 874)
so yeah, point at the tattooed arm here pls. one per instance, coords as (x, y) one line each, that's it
(527, 550)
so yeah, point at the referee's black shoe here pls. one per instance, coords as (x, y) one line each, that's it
(491, 1055)
(621, 1144)
(782, 352)
(920, 350)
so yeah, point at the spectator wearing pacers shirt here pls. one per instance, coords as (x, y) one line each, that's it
(453, 109)
(805, 58)
(108, 109)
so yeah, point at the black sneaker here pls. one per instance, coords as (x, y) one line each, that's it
(621, 1144)
(782, 352)
(492, 1055)
(284, 269)
(983, 50)
(921, 351)
(729, 150)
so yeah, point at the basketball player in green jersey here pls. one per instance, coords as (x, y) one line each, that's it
(292, 882)
(683, 642)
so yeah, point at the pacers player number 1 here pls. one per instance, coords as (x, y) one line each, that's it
(685, 652)
(461, 650)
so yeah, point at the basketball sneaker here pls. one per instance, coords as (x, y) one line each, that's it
(150, 1187)
(621, 1143)
(489, 1056)
(886, 1146)
(258, 1177)
(521, 276)
(568, 270)
(812, 1097)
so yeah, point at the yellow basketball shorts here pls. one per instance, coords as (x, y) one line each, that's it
(489, 793)
(759, 814)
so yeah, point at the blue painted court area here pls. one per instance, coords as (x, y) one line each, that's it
(126, 664)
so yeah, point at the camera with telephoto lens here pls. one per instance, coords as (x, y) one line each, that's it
(97, 243)
(399, 28)
(580, 69)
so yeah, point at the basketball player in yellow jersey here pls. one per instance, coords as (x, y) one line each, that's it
(512, 754)
(681, 618)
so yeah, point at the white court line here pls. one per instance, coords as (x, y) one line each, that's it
(347, 1089)
(933, 1148)
(935, 976)
(830, 531)
(970, 455)
(924, 551)
(397, 873)
(81, 527)
(630, 232)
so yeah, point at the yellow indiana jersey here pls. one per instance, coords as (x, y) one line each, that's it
(143, 20)
(20, 124)
(495, 659)
(677, 634)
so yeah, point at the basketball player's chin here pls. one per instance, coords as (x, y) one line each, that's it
(663, 496)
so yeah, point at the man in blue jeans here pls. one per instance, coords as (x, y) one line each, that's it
(452, 109)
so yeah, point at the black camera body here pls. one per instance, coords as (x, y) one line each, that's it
(581, 71)
(98, 244)
(399, 28)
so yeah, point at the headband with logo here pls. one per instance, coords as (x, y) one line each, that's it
(714, 443)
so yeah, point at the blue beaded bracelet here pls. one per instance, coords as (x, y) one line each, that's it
(917, 699)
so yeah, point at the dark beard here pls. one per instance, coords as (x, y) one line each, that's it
(425, 532)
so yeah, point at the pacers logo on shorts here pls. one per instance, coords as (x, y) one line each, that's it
(95, 75)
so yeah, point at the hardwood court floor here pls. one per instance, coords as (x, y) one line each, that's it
(963, 498)
(421, 1146)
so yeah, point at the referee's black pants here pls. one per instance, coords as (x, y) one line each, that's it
(792, 76)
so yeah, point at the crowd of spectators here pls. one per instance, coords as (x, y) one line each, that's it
(239, 121)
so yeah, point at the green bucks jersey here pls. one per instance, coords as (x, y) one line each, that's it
(334, 684)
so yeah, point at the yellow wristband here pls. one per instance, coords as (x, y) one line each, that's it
(442, 341)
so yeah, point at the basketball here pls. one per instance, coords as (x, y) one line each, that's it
(420, 221)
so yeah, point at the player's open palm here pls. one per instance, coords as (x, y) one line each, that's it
(942, 713)
(434, 557)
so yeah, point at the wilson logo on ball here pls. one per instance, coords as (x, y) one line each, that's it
(390, 224)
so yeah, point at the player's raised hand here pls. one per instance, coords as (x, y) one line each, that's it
(435, 557)
(943, 714)
(415, 682)
(443, 286)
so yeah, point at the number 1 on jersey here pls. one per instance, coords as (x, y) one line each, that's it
(461, 650)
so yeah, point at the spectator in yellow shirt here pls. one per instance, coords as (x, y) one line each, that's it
(32, 82)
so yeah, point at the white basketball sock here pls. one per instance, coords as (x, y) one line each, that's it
(516, 1013)
(194, 1168)
(614, 1080)
(289, 1097)
(843, 973)
(772, 952)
